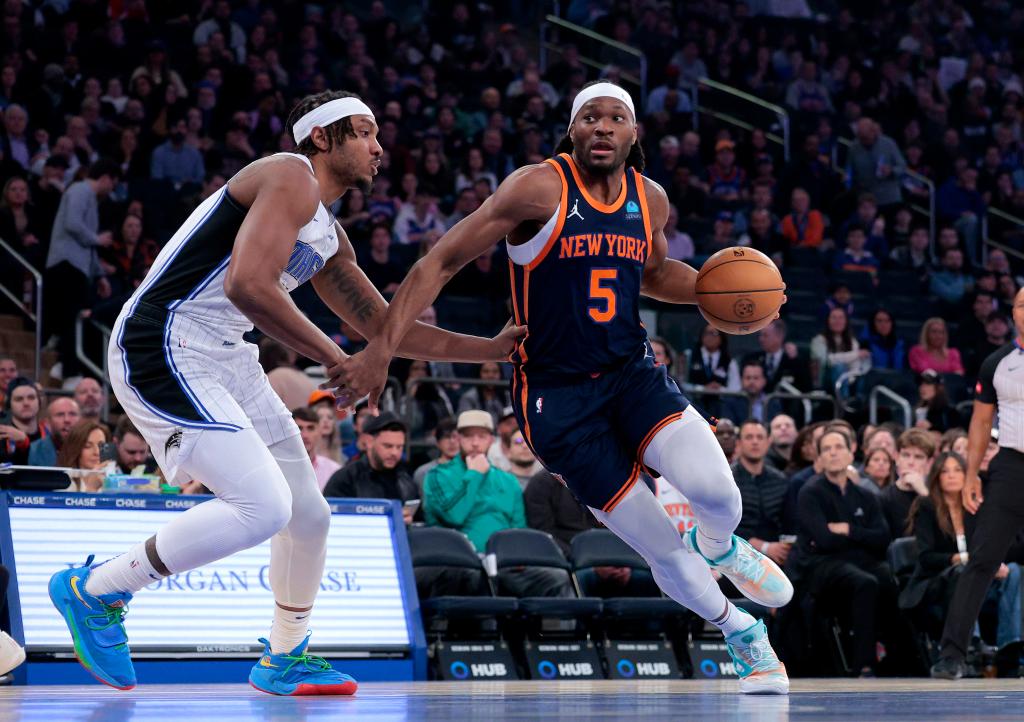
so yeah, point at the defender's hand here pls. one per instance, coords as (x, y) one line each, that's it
(505, 342)
(364, 374)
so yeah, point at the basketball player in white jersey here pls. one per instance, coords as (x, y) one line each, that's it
(195, 390)
(585, 240)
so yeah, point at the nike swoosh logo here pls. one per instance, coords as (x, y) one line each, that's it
(1014, 368)
(74, 588)
(265, 662)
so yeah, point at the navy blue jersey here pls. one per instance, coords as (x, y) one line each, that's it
(576, 284)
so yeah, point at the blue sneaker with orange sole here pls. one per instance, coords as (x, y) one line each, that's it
(757, 665)
(298, 673)
(756, 576)
(96, 624)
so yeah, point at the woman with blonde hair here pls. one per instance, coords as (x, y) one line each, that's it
(82, 450)
(933, 352)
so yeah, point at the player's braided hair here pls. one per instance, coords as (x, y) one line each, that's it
(336, 132)
(635, 159)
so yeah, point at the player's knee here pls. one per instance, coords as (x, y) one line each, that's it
(311, 518)
(269, 511)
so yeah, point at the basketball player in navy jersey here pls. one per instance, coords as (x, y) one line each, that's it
(585, 240)
(194, 388)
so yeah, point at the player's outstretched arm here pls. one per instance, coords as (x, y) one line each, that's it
(347, 291)
(665, 279)
(525, 195)
(286, 198)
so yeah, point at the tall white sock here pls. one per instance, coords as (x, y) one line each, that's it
(712, 548)
(288, 630)
(129, 572)
(733, 619)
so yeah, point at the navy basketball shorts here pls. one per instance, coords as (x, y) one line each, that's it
(593, 434)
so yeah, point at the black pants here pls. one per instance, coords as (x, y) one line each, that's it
(1000, 518)
(864, 594)
(68, 291)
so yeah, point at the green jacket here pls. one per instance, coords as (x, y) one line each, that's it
(476, 504)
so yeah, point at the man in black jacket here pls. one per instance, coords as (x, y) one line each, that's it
(378, 474)
(763, 489)
(843, 538)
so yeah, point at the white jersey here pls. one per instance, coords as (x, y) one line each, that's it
(177, 360)
(676, 505)
(187, 278)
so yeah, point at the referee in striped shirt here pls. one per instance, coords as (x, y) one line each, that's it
(1000, 510)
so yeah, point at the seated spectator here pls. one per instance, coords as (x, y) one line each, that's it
(424, 404)
(516, 458)
(842, 541)
(447, 441)
(709, 362)
(943, 532)
(762, 236)
(933, 351)
(177, 161)
(781, 359)
(378, 474)
(803, 227)
(879, 470)
(384, 272)
(508, 424)
(664, 354)
(933, 411)
(782, 436)
(722, 234)
(81, 450)
(854, 257)
(419, 222)
(19, 424)
(763, 489)
(132, 449)
(997, 335)
(839, 296)
(807, 94)
(680, 244)
(725, 434)
(727, 182)
(868, 218)
(958, 201)
(915, 256)
(358, 441)
(949, 282)
(835, 351)
(492, 398)
(914, 453)
(879, 338)
(8, 372)
(884, 437)
(754, 405)
(91, 397)
(551, 507)
(329, 436)
(468, 493)
(309, 429)
(805, 449)
(61, 415)
(954, 440)
(971, 324)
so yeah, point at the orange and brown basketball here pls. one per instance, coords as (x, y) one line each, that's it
(739, 290)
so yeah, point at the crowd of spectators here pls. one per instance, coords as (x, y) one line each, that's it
(117, 123)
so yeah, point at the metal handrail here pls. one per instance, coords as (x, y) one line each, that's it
(778, 110)
(100, 372)
(844, 377)
(905, 407)
(37, 317)
(986, 241)
(597, 37)
(806, 398)
(786, 386)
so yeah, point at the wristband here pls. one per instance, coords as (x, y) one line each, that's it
(764, 547)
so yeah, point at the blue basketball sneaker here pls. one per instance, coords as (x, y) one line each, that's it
(298, 673)
(757, 577)
(96, 625)
(757, 665)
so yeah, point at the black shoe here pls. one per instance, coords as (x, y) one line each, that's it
(948, 668)
(1008, 661)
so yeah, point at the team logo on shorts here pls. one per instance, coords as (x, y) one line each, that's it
(174, 440)
(743, 308)
(540, 404)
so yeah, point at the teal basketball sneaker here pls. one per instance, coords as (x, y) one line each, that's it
(96, 625)
(298, 673)
(757, 665)
(757, 577)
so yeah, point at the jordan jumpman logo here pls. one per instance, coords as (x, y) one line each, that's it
(575, 210)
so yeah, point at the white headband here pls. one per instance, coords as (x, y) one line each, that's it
(326, 114)
(601, 90)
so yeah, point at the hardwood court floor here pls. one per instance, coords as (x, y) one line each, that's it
(810, 699)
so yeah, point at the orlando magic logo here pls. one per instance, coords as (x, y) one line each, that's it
(305, 261)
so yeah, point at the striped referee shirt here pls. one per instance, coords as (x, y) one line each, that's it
(1001, 382)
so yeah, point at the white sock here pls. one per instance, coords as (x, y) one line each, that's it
(288, 630)
(733, 619)
(129, 572)
(713, 549)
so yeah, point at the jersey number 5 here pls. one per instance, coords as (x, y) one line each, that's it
(601, 293)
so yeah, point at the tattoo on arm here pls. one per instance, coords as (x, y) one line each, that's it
(361, 304)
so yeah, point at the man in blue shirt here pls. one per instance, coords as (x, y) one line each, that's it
(176, 161)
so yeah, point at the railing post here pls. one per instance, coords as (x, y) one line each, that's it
(785, 137)
(39, 328)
